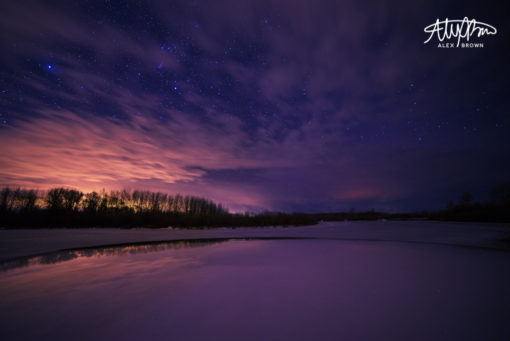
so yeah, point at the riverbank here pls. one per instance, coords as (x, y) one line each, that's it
(28, 242)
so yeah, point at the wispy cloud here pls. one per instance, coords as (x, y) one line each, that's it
(281, 105)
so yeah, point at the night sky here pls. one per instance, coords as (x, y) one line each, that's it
(288, 105)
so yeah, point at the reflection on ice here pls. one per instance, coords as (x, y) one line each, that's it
(259, 290)
(99, 251)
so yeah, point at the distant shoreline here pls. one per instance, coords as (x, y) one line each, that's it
(69, 208)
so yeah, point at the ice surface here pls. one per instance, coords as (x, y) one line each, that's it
(18, 243)
(264, 290)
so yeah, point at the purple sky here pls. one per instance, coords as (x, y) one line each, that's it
(287, 105)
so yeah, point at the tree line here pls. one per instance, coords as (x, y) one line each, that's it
(496, 208)
(65, 207)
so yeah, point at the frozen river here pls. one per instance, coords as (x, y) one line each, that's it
(350, 281)
(18, 243)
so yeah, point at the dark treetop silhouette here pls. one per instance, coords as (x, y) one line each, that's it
(62, 207)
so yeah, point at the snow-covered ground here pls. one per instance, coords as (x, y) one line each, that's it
(19, 243)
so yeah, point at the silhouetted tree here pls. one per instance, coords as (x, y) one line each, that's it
(55, 198)
(91, 202)
(4, 199)
(27, 200)
(72, 199)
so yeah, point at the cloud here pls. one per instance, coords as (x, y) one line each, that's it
(280, 105)
(81, 151)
